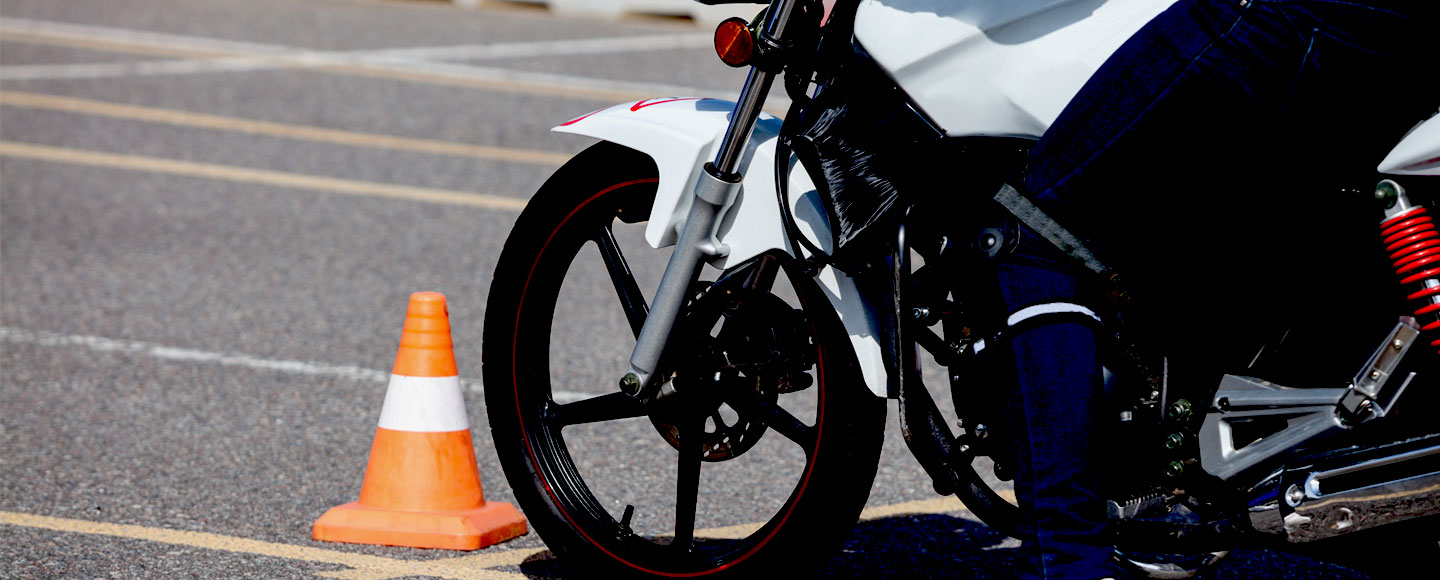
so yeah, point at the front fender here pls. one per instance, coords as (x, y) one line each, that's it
(681, 135)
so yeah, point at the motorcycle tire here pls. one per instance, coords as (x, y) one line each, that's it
(600, 475)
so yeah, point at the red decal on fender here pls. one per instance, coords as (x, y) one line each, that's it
(648, 102)
(581, 118)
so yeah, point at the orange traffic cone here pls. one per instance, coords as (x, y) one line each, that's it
(422, 487)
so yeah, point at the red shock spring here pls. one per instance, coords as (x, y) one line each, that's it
(1414, 246)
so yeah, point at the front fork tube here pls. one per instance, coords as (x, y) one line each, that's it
(714, 190)
(697, 241)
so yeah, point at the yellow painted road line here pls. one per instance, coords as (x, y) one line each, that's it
(938, 505)
(105, 45)
(363, 565)
(477, 566)
(271, 129)
(258, 176)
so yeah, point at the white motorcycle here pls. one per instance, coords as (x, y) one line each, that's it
(634, 456)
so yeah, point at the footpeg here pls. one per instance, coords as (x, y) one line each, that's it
(1376, 388)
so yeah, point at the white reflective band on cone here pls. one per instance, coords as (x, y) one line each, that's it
(425, 404)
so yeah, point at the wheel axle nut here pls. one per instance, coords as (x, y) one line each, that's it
(630, 384)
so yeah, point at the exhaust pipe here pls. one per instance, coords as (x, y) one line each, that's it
(1326, 503)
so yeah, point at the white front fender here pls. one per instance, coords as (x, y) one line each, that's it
(681, 135)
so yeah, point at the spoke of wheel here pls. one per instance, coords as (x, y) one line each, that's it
(775, 417)
(719, 420)
(687, 485)
(630, 297)
(607, 407)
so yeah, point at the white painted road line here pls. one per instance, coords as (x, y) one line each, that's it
(134, 69)
(102, 344)
(219, 47)
(170, 353)
(229, 56)
(583, 46)
(169, 42)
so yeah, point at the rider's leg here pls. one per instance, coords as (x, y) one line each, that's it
(1214, 89)
(1059, 385)
(1223, 130)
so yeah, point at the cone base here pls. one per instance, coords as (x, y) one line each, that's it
(353, 523)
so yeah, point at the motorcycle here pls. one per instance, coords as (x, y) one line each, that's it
(805, 281)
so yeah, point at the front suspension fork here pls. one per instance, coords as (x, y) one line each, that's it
(714, 190)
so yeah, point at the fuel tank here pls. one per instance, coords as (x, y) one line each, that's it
(996, 67)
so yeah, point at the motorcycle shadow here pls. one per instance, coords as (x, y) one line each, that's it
(932, 546)
(940, 547)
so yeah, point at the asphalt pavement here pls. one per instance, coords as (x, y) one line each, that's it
(213, 213)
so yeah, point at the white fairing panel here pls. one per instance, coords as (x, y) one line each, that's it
(1418, 153)
(680, 134)
(996, 67)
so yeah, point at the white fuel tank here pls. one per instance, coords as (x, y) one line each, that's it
(996, 67)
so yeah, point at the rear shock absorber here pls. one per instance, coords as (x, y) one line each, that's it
(1413, 242)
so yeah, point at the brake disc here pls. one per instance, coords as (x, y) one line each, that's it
(746, 339)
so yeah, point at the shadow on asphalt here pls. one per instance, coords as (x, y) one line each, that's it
(929, 546)
(940, 547)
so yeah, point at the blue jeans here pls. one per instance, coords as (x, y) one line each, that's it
(1058, 372)
(1199, 159)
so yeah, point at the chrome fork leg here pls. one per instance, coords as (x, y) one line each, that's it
(714, 190)
(696, 242)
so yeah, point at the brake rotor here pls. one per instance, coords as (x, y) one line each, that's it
(746, 339)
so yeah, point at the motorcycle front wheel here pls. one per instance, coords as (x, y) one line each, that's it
(762, 457)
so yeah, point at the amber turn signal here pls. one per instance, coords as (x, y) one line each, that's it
(734, 42)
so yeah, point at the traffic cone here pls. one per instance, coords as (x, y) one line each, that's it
(422, 486)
